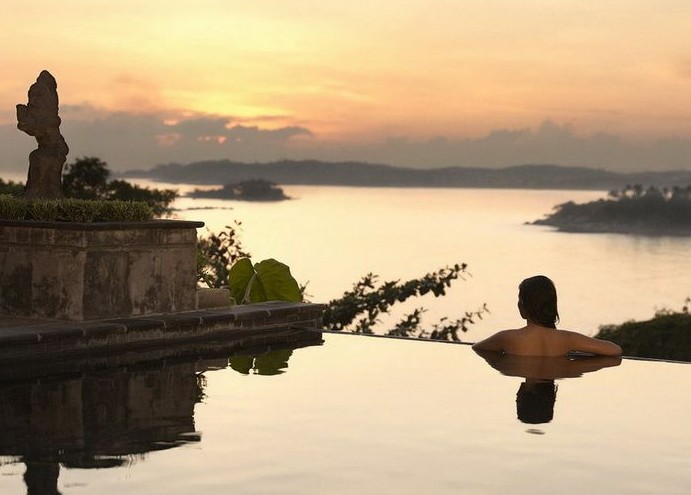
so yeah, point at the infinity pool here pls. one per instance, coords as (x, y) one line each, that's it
(353, 415)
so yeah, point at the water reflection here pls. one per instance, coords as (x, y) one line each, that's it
(271, 363)
(93, 415)
(535, 401)
(538, 392)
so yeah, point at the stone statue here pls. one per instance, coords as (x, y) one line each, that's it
(39, 118)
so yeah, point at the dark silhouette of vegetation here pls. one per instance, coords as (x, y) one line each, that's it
(634, 209)
(249, 190)
(216, 253)
(90, 198)
(315, 172)
(11, 188)
(87, 178)
(358, 310)
(269, 363)
(666, 336)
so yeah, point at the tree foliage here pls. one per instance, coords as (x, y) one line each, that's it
(248, 190)
(216, 253)
(359, 310)
(158, 199)
(666, 336)
(11, 188)
(87, 178)
(633, 209)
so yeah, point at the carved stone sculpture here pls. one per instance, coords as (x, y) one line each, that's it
(39, 118)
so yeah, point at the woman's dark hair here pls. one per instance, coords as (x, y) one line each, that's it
(535, 402)
(537, 301)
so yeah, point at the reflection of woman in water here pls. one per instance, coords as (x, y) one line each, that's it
(537, 303)
(537, 394)
(535, 401)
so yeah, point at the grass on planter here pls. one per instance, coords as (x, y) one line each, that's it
(73, 210)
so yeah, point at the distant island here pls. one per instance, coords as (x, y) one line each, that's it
(248, 190)
(663, 208)
(313, 172)
(632, 210)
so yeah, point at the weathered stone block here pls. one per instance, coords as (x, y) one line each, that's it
(214, 298)
(96, 271)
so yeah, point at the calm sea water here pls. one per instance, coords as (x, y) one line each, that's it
(331, 236)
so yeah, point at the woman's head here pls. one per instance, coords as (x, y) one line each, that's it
(537, 301)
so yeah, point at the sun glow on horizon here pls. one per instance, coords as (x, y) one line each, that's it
(350, 74)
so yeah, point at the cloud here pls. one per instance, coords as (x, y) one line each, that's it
(127, 140)
(246, 133)
(549, 143)
(217, 128)
(136, 141)
(202, 126)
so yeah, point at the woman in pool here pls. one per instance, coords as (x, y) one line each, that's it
(537, 303)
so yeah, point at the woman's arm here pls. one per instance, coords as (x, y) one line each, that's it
(581, 343)
(495, 343)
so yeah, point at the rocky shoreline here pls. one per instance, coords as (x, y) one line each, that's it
(633, 210)
(249, 190)
(615, 228)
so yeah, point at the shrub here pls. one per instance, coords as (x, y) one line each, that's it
(73, 210)
(216, 253)
(666, 336)
(11, 187)
(87, 178)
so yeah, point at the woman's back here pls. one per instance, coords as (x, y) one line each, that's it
(537, 303)
(536, 340)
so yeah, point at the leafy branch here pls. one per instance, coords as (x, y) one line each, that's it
(216, 253)
(359, 309)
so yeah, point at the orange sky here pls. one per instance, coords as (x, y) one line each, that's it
(357, 73)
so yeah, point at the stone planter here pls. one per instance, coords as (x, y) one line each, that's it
(211, 297)
(97, 270)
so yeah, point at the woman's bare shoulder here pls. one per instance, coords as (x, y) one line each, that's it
(498, 341)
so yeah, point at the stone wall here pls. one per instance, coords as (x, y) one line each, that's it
(98, 270)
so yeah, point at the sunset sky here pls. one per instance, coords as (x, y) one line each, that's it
(414, 83)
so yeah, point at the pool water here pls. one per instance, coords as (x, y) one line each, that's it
(353, 415)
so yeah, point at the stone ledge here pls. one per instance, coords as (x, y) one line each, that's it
(58, 339)
(207, 350)
(151, 224)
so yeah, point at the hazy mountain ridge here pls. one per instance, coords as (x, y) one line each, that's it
(314, 172)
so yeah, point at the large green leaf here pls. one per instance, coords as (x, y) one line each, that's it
(239, 277)
(268, 280)
(276, 281)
